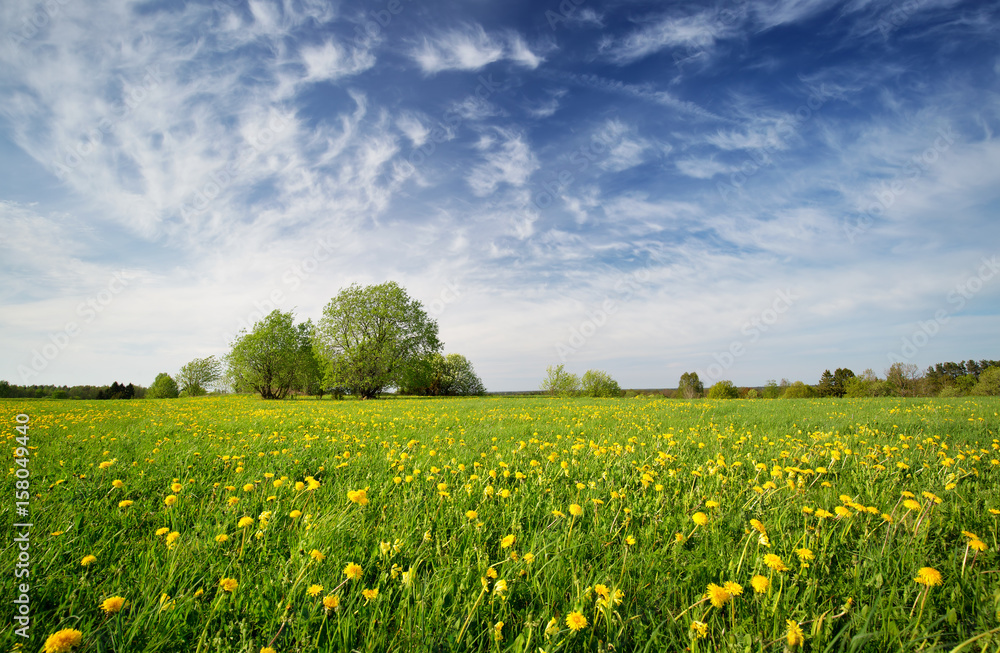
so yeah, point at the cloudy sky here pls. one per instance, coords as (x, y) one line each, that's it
(746, 189)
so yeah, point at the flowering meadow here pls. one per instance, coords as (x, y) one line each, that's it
(506, 524)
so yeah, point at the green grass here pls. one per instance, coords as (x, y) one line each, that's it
(639, 469)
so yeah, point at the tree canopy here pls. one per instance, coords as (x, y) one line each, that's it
(198, 376)
(690, 386)
(164, 387)
(560, 382)
(369, 338)
(439, 375)
(267, 359)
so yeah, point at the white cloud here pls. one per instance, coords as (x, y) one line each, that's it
(695, 32)
(470, 48)
(507, 159)
(413, 128)
(329, 62)
(701, 168)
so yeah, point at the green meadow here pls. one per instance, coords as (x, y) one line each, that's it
(235, 524)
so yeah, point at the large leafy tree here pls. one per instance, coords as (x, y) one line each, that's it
(560, 382)
(437, 375)
(597, 383)
(371, 337)
(267, 359)
(690, 386)
(196, 377)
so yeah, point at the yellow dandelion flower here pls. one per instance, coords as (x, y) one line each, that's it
(63, 640)
(602, 591)
(699, 518)
(491, 573)
(117, 484)
(244, 522)
(758, 526)
(471, 514)
(805, 555)
(576, 621)
(162, 531)
(353, 571)
(506, 542)
(500, 587)
(359, 497)
(928, 576)
(228, 584)
(248, 487)
(699, 629)
(717, 595)
(977, 545)
(88, 559)
(575, 509)
(331, 601)
(630, 541)
(528, 557)
(760, 583)
(314, 590)
(295, 514)
(774, 562)
(113, 604)
(125, 504)
(170, 500)
(176, 488)
(317, 555)
(711, 504)
(222, 537)
(370, 595)
(794, 635)
(267, 649)
(232, 501)
(735, 589)
(910, 504)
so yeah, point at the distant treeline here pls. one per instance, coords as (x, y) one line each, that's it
(942, 379)
(114, 391)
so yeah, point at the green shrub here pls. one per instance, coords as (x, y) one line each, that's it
(723, 390)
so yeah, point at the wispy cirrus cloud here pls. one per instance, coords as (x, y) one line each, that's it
(507, 159)
(470, 47)
(695, 31)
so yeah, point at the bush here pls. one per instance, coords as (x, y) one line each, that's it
(799, 390)
(723, 390)
(771, 390)
(752, 394)
(600, 384)
(560, 382)
(867, 385)
(989, 383)
(164, 387)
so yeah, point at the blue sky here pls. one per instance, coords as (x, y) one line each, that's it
(749, 190)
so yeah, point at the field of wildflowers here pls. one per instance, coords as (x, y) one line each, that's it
(506, 524)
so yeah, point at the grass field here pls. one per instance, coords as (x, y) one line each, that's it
(234, 524)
